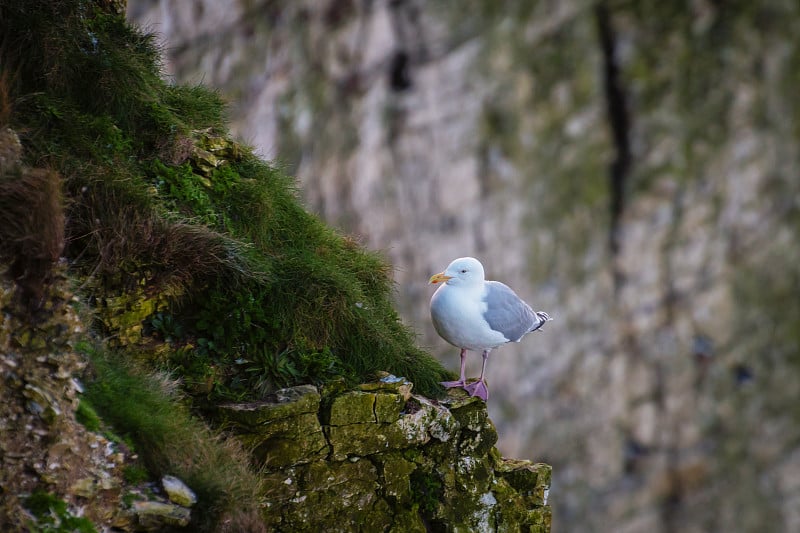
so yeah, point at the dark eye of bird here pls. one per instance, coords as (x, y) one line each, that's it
(464, 271)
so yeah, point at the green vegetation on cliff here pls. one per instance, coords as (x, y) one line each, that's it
(175, 233)
(189, 256)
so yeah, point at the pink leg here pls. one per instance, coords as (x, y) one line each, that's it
(460, 382)
(478, 388)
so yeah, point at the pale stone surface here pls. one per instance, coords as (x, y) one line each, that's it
(178, 492)
(155, 516)
(499, 147)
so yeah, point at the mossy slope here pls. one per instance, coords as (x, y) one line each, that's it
(251, 292)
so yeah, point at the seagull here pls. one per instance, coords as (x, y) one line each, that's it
(474, 314)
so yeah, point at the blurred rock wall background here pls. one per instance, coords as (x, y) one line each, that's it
(629, 167)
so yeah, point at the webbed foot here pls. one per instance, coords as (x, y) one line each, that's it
(479, 389)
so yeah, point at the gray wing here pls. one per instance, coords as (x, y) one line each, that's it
(507, 313)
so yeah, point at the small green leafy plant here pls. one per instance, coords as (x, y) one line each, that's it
(53, 516)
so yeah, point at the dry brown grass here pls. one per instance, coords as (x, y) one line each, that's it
(31, 228)
(129, 239)
(241, 521)
(5, 99)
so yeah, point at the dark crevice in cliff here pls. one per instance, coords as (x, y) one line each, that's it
(399, 72)
(619, 122)
(410, 43)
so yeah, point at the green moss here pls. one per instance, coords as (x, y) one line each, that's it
(353, 408)
(135, 474)
(53, 516)
(287, 441)
(341, 494)
(396, 482)
(408, 521)
(86, 415)
(129, 498)
(427, 491)
(388, 407)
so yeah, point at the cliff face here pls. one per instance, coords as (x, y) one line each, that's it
(630, 169)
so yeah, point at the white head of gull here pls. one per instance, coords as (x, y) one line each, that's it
(474, 314)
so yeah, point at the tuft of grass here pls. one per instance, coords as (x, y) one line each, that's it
(86, 415)
(325, 310)
(169, 440)
(77, 53)
(135, 474)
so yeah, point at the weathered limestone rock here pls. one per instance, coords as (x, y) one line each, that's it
(389, 383)
(396, 472)
(352, 435)
(288, 403)
(157, 516)
(353, 408)
(178, 492)
(211, 151)
(387, 460)
(280, 433)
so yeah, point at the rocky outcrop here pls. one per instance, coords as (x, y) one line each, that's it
(382, 459)
(43, 447)
(55, 471)
(377, 458)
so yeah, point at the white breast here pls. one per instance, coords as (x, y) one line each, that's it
(457, 315)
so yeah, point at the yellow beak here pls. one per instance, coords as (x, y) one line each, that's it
(439, 278)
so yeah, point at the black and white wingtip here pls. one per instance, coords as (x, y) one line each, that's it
(543, 319)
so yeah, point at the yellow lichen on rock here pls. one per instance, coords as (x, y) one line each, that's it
(403, 459)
